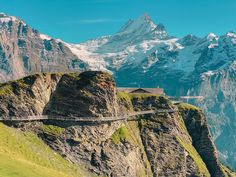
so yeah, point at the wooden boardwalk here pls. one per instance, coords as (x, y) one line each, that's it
(84, 119)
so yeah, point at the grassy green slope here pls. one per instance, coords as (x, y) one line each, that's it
(24, 154)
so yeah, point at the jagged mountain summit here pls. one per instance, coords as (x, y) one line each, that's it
(139, 44)
(149, 54)
(128, 46)
(196, 65)
(139, 54)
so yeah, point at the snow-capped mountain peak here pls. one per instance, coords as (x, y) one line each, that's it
(142, 24)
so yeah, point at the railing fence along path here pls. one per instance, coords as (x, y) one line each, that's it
(85, 119)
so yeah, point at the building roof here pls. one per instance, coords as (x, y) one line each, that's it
(136, 90)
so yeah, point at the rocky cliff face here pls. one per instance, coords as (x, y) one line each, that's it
(197, 127)
(177, 144)
(27, 96)
(24, 50)
(219, 105)
(94, 93)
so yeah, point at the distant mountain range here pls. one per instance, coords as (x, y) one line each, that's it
(139, 54)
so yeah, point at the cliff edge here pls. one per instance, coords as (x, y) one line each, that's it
(160, 144)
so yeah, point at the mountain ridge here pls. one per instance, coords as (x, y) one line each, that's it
(193, 65)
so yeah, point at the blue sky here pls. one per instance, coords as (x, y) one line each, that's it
(79, 20)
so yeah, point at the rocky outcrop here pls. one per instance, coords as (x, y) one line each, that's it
(166, 141)
(89, 94)
(197, 127)
(27, 96)
(94, 94)
(165, 144)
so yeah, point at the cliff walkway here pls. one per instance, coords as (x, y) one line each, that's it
(127, 117)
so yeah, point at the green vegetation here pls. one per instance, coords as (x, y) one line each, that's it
(5, 89)
(194, 155)
(125, 100)
(182, 125)
(133, 128)
(143, 95)
(24, 154)
(74, 75)
(22, 84)
(142, 123)
(227, 171)
(185, 106)
(128, 97)
(104, 76)
(123, 95)
(134, 133)
(11, 167)
(52, 130)
(122, 134)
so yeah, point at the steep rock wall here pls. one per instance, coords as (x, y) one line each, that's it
(27, 96)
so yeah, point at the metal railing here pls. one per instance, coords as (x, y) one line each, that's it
(84, 119)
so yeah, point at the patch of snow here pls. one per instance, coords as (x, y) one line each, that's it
(45, 37)
(231, 34)
(151, 61)
(59, 40)
(160, 33)
(234, 41)
(179, 46)
(207, 74)
(211, 36)
(5, 18)
(95, 62)
(211, 46)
